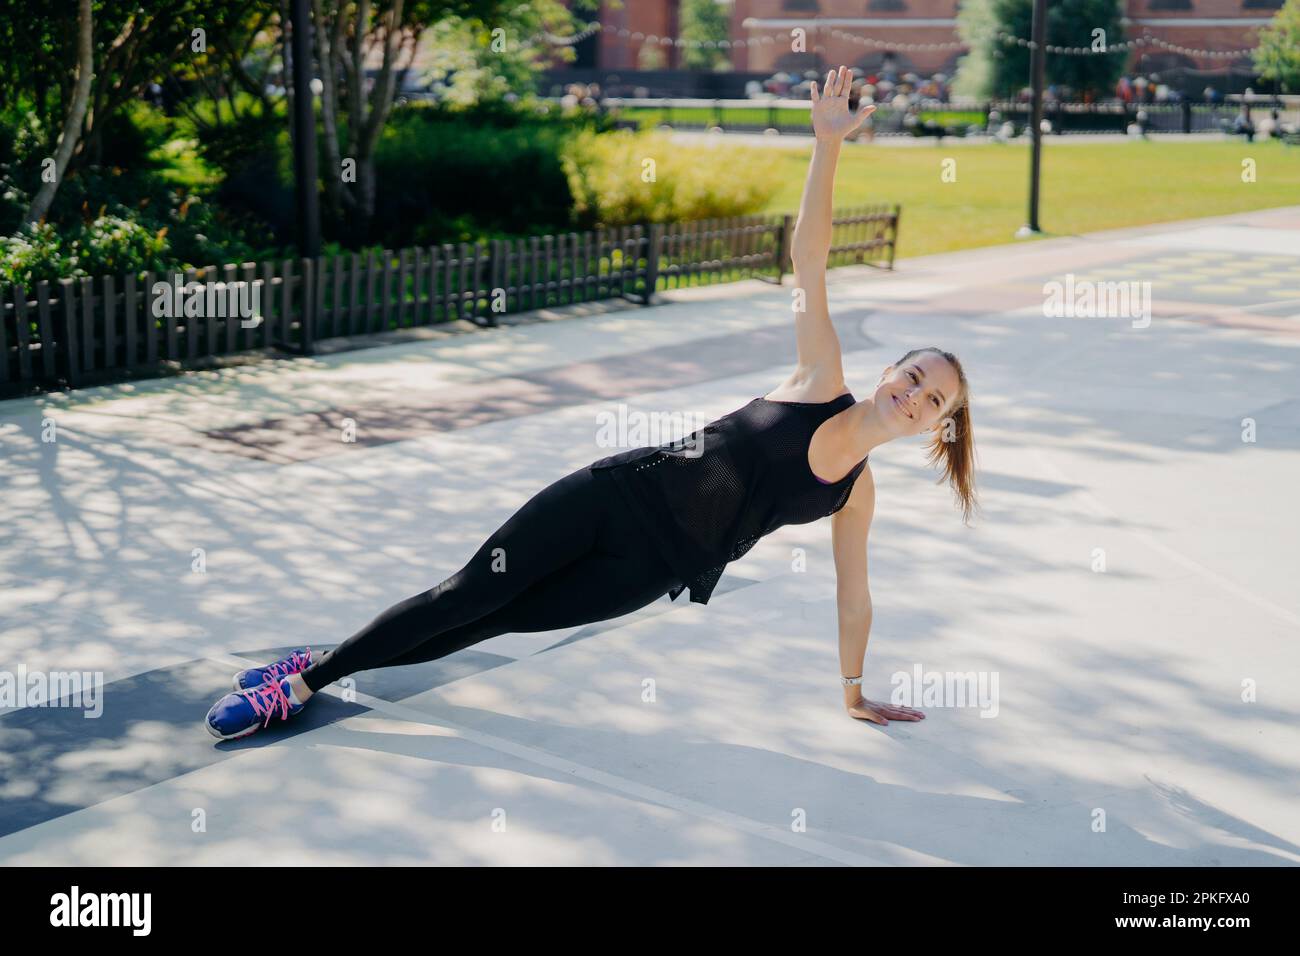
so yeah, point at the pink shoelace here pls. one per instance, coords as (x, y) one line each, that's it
(267, 699)
(295, 664)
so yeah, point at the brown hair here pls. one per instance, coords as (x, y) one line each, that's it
(957, 455)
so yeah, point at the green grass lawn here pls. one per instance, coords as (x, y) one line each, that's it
(1085, 186)
(649, 116)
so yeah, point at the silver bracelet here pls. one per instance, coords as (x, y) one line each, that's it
(846, 681)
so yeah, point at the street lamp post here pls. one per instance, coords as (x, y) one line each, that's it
(304, 133)
(1038, 70)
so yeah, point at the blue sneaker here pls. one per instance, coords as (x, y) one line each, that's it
(298, 661)
(248, 711)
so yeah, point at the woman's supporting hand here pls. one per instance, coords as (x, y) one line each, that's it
(831, 117)
(864, 709)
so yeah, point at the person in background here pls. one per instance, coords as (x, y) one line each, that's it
(1243, 126)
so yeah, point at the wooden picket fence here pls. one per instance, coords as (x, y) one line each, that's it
(90, 330)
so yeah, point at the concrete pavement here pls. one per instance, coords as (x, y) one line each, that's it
(1126, 602)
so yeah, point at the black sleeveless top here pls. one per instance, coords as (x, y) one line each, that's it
(707, 498)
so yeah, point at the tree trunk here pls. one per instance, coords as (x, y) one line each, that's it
(327, 54)
(381, 102)
(76, 114)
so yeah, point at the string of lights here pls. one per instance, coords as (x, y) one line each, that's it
(1001, 36)
(1146, 40)
(556, 40)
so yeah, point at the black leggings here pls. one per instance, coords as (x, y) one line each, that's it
(573, 554)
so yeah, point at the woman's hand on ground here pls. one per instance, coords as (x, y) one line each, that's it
(831, 116)
(878, 713)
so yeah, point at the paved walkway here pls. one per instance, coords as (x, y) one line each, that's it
(1142, 714)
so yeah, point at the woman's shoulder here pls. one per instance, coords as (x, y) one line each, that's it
(809, 387)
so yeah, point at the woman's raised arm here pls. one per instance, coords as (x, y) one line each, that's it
(818, 347)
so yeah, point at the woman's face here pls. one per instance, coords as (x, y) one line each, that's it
(915, 396)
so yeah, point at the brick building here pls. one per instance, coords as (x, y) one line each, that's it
(1194, 24)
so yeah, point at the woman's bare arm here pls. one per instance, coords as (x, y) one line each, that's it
(819, 368)
(850, 527)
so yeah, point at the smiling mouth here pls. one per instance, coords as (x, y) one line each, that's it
(901, 408)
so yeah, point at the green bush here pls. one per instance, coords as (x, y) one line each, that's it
(32, 254)
(635, 177)
(111, 245)
(18, 138)
(446, 175)
(129, 213)
(232, 144)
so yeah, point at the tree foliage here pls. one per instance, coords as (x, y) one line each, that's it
(708, 22)
(996, 67)
(1278, 55)
(361, 48)
(223, 65)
